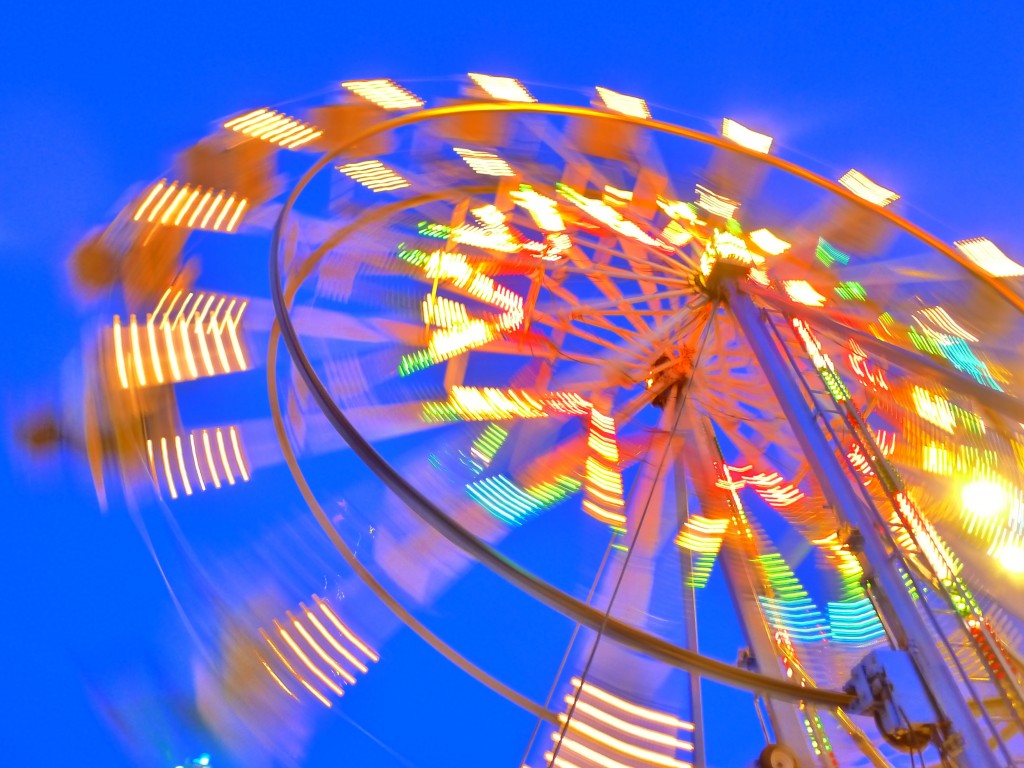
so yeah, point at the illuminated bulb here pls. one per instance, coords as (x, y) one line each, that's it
(758, 142)
(626, 105)
(985, 498)
(502, 88)
(866, 189)
(986, 255)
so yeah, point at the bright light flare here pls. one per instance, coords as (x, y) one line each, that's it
(985, 498)
(1011, 557)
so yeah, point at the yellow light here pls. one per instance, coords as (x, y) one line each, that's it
(768, 242)
(865, 188)
(331, 639)
(183, 204)
(485, 163)
(1011, 557)
(323, 700)
(623, 747)
(803, 292)
(654, 737)
(654, 715)
(502, 88)
(345, 631)
(181, 466)
(209, 459)
(384, 93)
(716, 204)
(274, 127)
(758, 142)
(224, 457)
(374, 175)
(319, 649)
(633, 106)
(122, 372)
(306, 660)
(543, 210)
(985, 498)
(986, 255)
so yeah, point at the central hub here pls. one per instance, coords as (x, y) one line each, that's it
(725, 256)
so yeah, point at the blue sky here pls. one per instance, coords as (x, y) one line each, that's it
(924, 97)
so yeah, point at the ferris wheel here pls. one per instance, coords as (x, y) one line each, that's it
(629, 374)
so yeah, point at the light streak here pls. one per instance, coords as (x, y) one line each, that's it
(224, 457)
(333, 641)
(374, 175)
(275, 128)
(341, 671)
(716, 204)
(502, 88)
(803, 292)
(370, 653)
(122, 372)
(181, 466)
(323, 700)
(989, 258)
(745, 137)
(866, 189)
(768, 242)
(183, 204)
(633, 106)
(384, 93)
(484, 163)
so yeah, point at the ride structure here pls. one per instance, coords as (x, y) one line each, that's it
(722, 382)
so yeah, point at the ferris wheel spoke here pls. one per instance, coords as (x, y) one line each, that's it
(999, 402)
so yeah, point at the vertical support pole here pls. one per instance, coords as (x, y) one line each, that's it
(699, 757)
(876, 561)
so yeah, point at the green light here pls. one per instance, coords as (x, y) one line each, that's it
(829, 255)
(851, 291)
(734, 227)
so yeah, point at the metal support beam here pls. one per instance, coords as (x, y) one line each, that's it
(879, 564)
